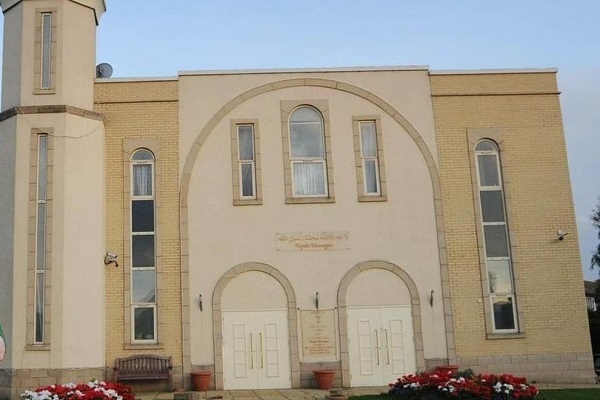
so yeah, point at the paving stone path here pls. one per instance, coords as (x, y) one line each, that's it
(278, 394)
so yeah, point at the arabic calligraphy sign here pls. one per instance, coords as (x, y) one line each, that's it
(311, 241)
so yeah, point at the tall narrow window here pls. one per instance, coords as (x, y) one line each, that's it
(368, 156)
(307, 153)
(40, 247)
(143, 254)
(495, 234)
(46, 56)
(246, 161)
(370, 162)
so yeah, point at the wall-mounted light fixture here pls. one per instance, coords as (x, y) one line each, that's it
(200, 301)
(317, 300)
(431, 299)
(560, 235)
(110, 258)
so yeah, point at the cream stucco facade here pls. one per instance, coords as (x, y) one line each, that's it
(268, 223)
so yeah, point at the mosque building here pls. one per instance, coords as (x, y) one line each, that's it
(261, 224)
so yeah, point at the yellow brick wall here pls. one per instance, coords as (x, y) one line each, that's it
(135, 110)
(138, 91)
(526, 107)
(495, 84)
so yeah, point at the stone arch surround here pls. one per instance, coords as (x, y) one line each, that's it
(323, 83)
(218, 317)
(342, 312)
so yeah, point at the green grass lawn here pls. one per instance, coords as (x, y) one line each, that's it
(556, 394)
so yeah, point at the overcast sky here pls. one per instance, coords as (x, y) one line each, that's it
(141, 38)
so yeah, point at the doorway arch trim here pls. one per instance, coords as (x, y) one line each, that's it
(343, 312)
(292, 316)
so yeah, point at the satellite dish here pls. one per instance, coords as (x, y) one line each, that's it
(104, 70)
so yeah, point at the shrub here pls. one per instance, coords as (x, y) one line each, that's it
(436, 386)
(92, 390)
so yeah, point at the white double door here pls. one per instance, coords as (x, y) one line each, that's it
(381, 345)
(256, 352)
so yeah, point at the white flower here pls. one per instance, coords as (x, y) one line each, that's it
(28, 394)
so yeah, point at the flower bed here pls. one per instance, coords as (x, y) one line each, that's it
(441, 386)
(93, 390)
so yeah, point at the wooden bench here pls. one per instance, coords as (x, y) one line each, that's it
(144, 367)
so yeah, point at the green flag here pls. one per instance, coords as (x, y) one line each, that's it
(2, 344)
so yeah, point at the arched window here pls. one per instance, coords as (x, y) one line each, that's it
(143, 254)
(501, 289)
(307, 153)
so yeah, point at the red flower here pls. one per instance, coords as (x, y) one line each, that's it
(481, 387)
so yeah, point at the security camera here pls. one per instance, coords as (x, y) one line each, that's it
(560, 235)
(111, 258)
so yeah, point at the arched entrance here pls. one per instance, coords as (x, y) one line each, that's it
(253, 309)
(379, 314)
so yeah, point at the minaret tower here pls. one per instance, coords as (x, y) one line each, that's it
(51, 195)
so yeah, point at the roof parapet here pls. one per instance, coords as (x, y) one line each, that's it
(495, 71)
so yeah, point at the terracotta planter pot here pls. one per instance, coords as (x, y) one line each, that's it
(201, 380)
(324, 378)
(445, 369)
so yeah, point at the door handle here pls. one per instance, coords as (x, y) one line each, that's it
(377, 345)
(260, 351)
(387, 346)
(251, 353)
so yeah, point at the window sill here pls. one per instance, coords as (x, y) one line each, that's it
(144, 346)
(37, 347)
(44, 91)
(309, 200)
(249, 202)
(367, 199)
(501, 336)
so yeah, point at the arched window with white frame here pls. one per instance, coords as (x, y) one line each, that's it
(143, 252)
(308, 161)
(496, 244)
